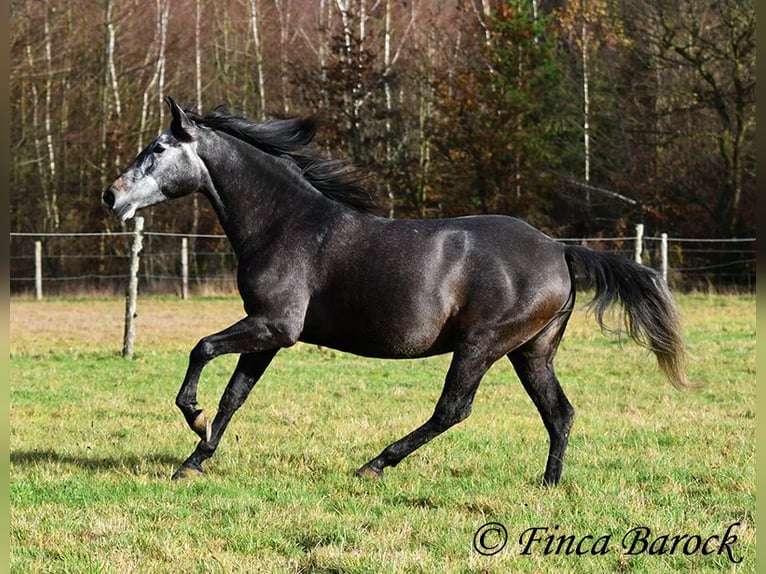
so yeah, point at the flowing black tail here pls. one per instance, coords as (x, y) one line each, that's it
(649, 316)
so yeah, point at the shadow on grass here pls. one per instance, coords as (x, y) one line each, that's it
(130, 463)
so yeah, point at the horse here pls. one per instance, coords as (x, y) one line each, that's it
(319, 265)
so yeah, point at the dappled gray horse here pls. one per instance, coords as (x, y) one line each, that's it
(316, 265)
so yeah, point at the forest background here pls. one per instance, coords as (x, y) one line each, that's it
(581, 117)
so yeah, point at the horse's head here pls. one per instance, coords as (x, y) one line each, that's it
(167, 168)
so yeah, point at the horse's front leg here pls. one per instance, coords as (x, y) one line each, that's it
(186, 400)
(247, 335)
(252, 335)
(249, 369)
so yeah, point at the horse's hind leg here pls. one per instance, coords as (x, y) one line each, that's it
(534, 365)
(454, 405)
(250, 368)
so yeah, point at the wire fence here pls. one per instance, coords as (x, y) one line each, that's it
(80, 264)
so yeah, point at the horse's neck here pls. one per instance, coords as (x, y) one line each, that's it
(253, 192)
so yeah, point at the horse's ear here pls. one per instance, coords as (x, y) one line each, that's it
(181, 126)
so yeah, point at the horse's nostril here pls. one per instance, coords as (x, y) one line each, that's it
(108, 198)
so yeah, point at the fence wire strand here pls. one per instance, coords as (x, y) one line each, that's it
(72, 261)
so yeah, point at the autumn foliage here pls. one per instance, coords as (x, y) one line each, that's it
(581, 117)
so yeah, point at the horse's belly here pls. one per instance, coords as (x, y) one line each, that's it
(373, 334)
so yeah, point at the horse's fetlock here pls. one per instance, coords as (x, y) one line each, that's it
(202, 351)
(184, 404)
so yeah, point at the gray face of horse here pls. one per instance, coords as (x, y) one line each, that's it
(167, 168)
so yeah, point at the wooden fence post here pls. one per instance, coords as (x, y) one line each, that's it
(184, 268)
(639, 242)
(664, 254)
(132, 290)
(38, 270)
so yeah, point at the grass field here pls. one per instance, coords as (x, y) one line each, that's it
(95, 438)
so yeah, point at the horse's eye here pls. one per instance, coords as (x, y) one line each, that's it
(159, 148)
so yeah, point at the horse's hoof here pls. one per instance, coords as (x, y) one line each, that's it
(201, 426)
(186, 472)
(368, 472)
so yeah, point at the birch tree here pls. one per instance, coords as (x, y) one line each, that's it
(197, 56)
(111, 102)
(255, 29)
(51, 179)
(155, 86)
(40, 71)
(284, 13)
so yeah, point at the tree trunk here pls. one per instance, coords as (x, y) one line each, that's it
(156, 84)
(586, 107)
(389, 107)
(283, 11)
(52, 181)
(255, 26)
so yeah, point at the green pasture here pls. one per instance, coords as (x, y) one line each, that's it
(95, 439)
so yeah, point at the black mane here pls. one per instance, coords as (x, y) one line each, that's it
(290, 138)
